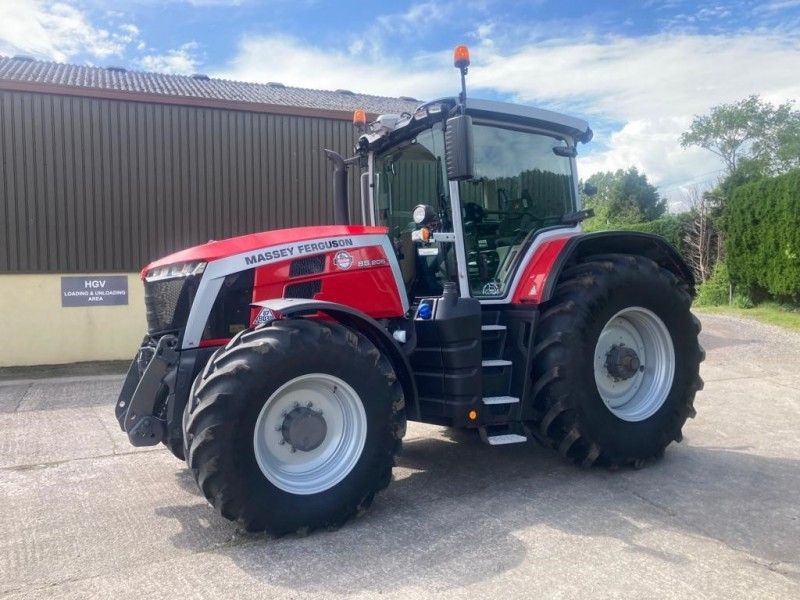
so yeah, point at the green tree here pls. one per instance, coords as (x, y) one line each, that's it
(623, 197)
(766, 136)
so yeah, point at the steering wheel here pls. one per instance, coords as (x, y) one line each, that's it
(474, 212)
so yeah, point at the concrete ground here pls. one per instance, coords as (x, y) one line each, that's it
(82, 513)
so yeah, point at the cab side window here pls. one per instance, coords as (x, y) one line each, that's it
(521, 186)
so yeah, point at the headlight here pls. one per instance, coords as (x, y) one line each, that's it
(423, 213)
(175, 271)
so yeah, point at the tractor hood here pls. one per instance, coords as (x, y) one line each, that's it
(216, 250)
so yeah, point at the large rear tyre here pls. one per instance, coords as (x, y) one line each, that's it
(616, 362)
(294, 426)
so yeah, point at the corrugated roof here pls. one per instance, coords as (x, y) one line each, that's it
(196, 87)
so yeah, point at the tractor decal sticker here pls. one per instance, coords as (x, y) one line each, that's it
(269, 256)
(303, 248)
(327, 245)
(343, 260)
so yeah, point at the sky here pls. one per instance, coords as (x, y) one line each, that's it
(637, 71)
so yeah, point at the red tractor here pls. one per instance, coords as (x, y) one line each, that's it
(282, 366)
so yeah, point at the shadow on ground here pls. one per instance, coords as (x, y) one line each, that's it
(455, 513)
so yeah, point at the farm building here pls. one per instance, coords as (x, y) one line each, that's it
(103, 170)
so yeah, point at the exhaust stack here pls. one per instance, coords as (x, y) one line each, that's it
(341, 206)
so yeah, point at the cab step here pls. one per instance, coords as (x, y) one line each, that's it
(501, 435)
(491, 400)
(496, 362)
(506, 438)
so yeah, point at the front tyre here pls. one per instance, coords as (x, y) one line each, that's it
(616, 363)
(294, 426)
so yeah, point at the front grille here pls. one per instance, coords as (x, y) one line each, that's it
(168, 303)
(307, 289)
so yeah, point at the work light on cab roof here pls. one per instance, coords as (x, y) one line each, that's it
(283, 365)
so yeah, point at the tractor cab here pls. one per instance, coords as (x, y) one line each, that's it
(464, 187)
(473, 231)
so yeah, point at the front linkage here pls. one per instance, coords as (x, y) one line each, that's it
(153, 369)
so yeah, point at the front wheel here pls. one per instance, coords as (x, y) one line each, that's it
(617, 360)
(294, 426)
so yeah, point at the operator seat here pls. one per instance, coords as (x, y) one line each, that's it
(407, 257)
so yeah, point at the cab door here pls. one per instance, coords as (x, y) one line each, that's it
(410, 174)
(522, 185)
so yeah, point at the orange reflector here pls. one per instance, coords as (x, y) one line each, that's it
(425, 234)
(461, 57)
(360, 117)
(472, 415)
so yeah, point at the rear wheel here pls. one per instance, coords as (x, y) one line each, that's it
(616, 364)
(294, 426)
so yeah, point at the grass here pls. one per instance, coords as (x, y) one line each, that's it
(767, 312)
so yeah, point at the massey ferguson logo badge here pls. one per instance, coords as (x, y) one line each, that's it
(297, 250)
(343, 260)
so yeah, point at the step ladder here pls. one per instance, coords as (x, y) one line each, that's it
(500, 435)
(498, 399)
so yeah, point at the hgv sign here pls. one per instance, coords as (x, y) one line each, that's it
(94, 290)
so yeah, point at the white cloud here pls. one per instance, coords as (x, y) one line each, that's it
(292, 62)
(57, 31)
(651, 86)
(778, 5)
(207, 3)
(665, 75)
(182, 60)
(416, 17)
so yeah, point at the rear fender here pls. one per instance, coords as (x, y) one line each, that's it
(364, 324)
(651, 246)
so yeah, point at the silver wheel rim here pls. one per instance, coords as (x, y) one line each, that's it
(310, 471)
(635, 397)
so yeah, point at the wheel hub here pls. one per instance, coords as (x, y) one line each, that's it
(634, 364)
(310, 433)
(622, 362)
(304, 429)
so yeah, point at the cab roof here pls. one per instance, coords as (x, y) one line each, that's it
(388, 129)
(529, 115)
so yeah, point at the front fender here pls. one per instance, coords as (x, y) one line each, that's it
(364, 324)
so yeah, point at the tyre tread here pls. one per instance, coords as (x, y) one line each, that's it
(557, 423)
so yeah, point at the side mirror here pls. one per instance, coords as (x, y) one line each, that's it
(589, 189)
(458, 149)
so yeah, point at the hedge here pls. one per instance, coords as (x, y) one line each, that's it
(763, 235)
(669, 226)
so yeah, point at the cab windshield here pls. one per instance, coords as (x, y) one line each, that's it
(411, 174)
